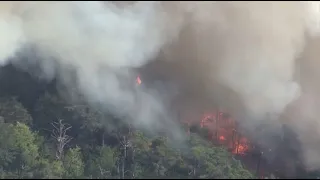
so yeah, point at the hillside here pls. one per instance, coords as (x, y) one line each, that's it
(44, 136)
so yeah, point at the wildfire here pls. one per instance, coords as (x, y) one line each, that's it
(138, 80)
(222, 138)
(241, 147)
(223, 130)
(206, 120)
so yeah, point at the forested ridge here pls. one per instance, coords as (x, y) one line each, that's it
(44, 136)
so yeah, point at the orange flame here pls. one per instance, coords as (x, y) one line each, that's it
(138, 80)
(223, 128)
(241, 147)
(222, 138)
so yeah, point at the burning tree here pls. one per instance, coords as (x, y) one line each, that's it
(222, 130)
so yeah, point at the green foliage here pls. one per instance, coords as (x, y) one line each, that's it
(73, 163)
(28, 154)
(6, 144)
(19, 151)
(49, 170)
(13, 111)
(216, 162)
(103, 164)
(24, 143)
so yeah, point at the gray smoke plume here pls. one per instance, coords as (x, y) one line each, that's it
(241, 56)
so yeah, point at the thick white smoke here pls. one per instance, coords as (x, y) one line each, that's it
(101, 43)
(240, 55)
(12, 32)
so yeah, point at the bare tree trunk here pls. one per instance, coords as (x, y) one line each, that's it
(103, 143)
(62, 139)
(123, 167)
(118, 170)
(125, 143)
(134, 164)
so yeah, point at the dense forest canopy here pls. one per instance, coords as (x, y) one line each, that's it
(44, 136)
(256, 62)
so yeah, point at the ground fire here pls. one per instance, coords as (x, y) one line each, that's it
(222, 129)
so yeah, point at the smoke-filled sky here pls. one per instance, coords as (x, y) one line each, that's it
(258, 60)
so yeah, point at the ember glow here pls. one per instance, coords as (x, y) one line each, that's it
(222, 138)
(222, 129)
(138, 80)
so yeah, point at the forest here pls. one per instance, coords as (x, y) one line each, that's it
(44, 136)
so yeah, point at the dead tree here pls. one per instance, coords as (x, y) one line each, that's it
(62, 139)
(126, 144)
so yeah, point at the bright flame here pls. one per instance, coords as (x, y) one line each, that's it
(223, 130)
(222, 138)
(241, 147)
(138, 80)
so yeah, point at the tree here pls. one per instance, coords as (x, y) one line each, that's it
(48, 109)
(62, 139)
(6, 145)
(19, 151)
(119, 152)
(49, 169)
(94, 120)
(103, 165)
(73, 163)
(215, 162)
(13, 111)
(25, 144)
(140, 154)
(124, 137)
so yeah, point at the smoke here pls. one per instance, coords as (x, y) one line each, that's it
(10, 27)
(240, 56)
(93, 48)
